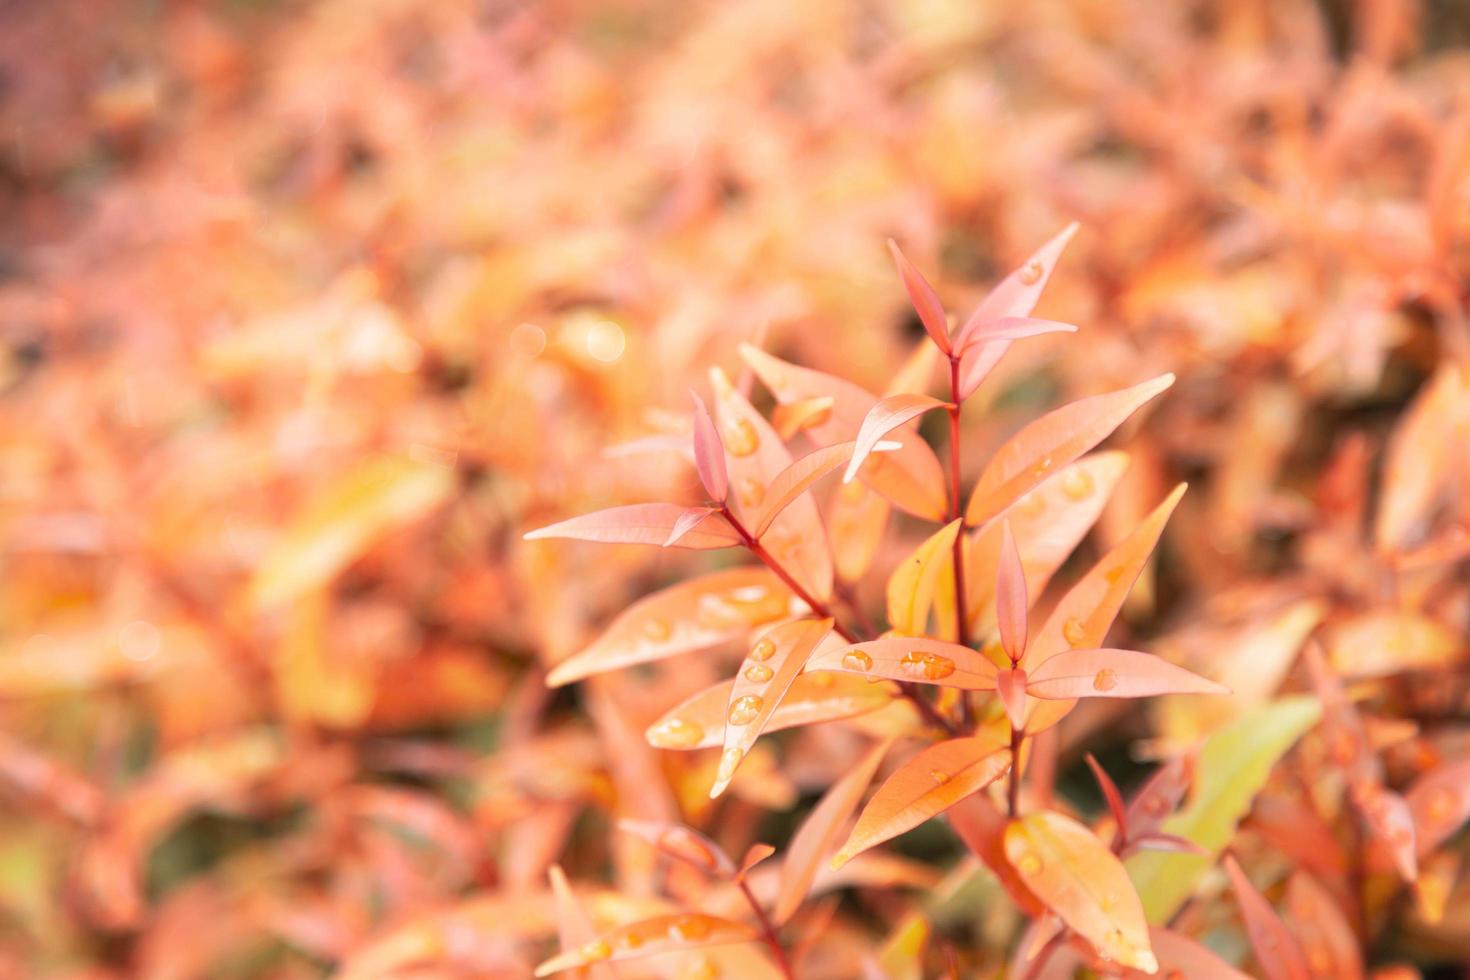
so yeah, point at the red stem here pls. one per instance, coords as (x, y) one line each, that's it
(768, 932)
(957, 512)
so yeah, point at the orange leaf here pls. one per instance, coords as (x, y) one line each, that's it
(913, 659)
(1420, 458)
(1181, 957)
(789, 418)
(813, 698)
(1391, 821)
(1010, 597)
(663, 934)
(1383, 643)
(709, 453)
(1051, 442)
(693, 615)
(982, 827)
(1010, 684)
(857, 516)
(679, 841)
(1108, 673)
(912, 584)
(795, 480)
(573, 926)
(642, 524)
(1329, 944)
(773, 663)
(1084, 883)
(811, 844)
(1440, 802)
(754, 855)
(925, 786)
(925, 300)
(883, 418)
(1277, 951)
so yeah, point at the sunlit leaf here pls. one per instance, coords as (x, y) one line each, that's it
(693, 615)
(1180, 957)
(774, 661)
(887, 415)
(1380, 644)
(912, 584)
(1107, 673)
(1232, 766)
(643, 524)
(925, 786)
(1276, 948)
(679, 841)
(1328, 943)
(818, 835)
(857, 518)
(789, 418)
(914, 659)
(814, 697)
(1420, 457)
(1011, 602)
(709, 453)
(1390, 820)
(1081, 880)
(1018, 293)
(1440, 802)
(1050, 443)
(574, 927)
(664, 934)
(795, 480)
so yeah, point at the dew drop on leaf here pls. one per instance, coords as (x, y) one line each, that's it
(1077, 484)
(939, 776)
(741, 439)
(729, 760)
(763, 650)
(744, 710)
(598, 949)
(752, 492)
(1105, 679)
(1074, 632)
(657, 629)
(758, 673)
(1030, 273)
(688, 929)
(676, 733)
(857, 660)
(1030, 864)
(929, 666)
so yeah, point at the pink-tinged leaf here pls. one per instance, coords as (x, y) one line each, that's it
(1110, 673)
(693, 615)
(924, 787)
(976, 364)
(912, 659)
(1328, 941)
(1167, 842)
(642, 524)
(754, 855)
(1110, 794)
(813, 698)
(1083, 616)
(1014, 328)
(1084, 883)
(1011, 601)
(682, 843)
(883, 418)
(1050, 443)
(709, 453)
(573, 926)
(818, 835)
(1390, 820)
(1180, 957)
(755, 455)
(911, 478)
(1010, 684)
(1277, 951)
(663, 934)
(1440, 802)
(687, 522)
(912, 585)
(1159, 797)
(925, 300)
(769, 669)
(796, 479)
(1018, 293)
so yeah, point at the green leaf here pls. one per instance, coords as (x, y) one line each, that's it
(1233, 765)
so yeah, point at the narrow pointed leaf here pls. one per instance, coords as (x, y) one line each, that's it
(1181, 957)
(642, 524)
(818, 835)
(883, 418)
(1050, 443)
(1010, 597)
(813, 698)
(1108, 673)
(1166, 842)
(1110, 794)
(754, 855)
(912, 659)
(796, 479)
(709, 453)
(1440, 802)
(1420, 458)
(925, 786)
(573, 926)
(1390, 820)
(1084, 883)
(1159, 796)
(649, 937)
(687, 522)
(1277, 950)
(1014, 328)
(693, 615)
(911, 586)
(1018, 293)
(925, 300)
(773, 663)
(682, 843)
(1327, 939)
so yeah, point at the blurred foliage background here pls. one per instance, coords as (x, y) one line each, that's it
(308, 310)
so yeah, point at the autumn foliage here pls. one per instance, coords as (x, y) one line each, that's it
(749, 490)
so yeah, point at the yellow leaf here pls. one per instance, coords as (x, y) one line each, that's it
(911, 587)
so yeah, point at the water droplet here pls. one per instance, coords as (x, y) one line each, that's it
(1077, 483)
(750, 593)
(929, 666)
(676, 733)
(729, 761)
(764, 649)
(717, 613)
(857, 660)
(821, 678)
(701, 969)
(1105, 679)
(596, 950)
(631, 940)
(741, 439)
(939, 776)
(1032, 505)
(1441, 805)
(688, 928)
(744, 710)
(758, 673)
(657, 629)
(1074, 632)
(1030, 273)
(1029, 864)
(752, 492)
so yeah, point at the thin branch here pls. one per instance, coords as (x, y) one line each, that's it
(957, 512)
(768, 932)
